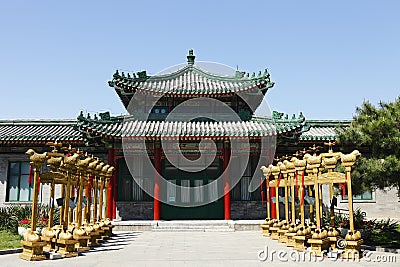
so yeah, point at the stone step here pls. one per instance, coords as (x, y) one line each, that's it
(187, 226)
(197, 226)
(194, 229)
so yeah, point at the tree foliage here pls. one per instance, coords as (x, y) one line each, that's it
(376, 132)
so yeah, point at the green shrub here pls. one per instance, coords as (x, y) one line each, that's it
(11, 215)
(384, 233)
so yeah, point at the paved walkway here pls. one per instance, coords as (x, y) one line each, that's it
(191, 249)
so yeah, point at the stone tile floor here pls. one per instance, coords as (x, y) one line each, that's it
(194, 249)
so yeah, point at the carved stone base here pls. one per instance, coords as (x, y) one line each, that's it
(301, 242)
(265, 230)
(107, 231)
(50, 245)
(66, 247)
(32, 251)
(82, 244)
(290, 239)
(282, 236)
(333, 242)
(274, 232)
(102, 236)
(93, 237)
(352, 249)
(319, 245)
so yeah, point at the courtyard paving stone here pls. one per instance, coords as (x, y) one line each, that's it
(189, 249)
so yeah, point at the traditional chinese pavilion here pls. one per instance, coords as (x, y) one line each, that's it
(134, 144)
(159, 96)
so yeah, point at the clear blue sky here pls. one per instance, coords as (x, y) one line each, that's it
(326, 57)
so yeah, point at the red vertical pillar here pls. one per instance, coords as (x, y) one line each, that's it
(110, 186)
(157, 181)
(226, 154)
(113, 185)
(273, 205)
(88, 194)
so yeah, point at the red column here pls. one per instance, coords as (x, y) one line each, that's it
(88, 194)
(226, 154)
(113, 186)
(157, 181)
(273, 205)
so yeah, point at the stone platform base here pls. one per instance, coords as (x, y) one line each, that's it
(32, 251)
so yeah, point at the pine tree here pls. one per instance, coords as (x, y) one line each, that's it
(376, 132)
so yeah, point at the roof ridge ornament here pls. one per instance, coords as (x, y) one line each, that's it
(190, 57)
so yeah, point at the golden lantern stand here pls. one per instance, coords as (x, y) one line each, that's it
(64, 242)
(100, 190)
(353, 238)
(275, 171)
(291, 231)
(282, 238)
(97, 232)
(78, 232)
(319, 240)
(303, 231)
(53, 177)
(88, 227)
(32, 245)
(268, 222)
(107, 226)
(330, 161)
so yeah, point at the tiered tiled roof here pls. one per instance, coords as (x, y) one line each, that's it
(189, 81)
(322, 130)
(38, 131)
(128, 127)
(70, 131)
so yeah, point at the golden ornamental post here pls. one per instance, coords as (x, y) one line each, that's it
(54, 161)
(98, 169)
(300, 166)
(329, 163)
(284, 226)
(62, 192)
(319, 240)
(291, 172)
(268, 222)
(64, 239)
(82, 165)
(107, 223)
(353, 238)
(313, 163)
(70, 166)
(311, 206)
(267, 172)
(101, 190)
(106, 185)
(32, 244)
(275, 170)
(88, 191)
(37, 161)
(90, 227)
(348, 162)
(284, 173)
(291, 231)
(79, 233)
